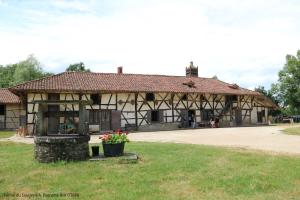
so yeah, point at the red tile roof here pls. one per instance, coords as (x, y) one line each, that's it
(8, 97)
(105, 82)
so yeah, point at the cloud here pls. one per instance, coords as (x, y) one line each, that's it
(236, 41)
(82, 6)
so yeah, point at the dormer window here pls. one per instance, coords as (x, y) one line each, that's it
(233, 86)
(150, 97)
(190, 84)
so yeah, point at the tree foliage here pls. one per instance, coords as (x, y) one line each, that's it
(7, 75)
(288, 87)
(271, 94)
(77, 67)
(22, 71)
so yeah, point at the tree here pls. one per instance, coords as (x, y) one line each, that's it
(22, 71)
(288, 86)
(271, 94)
(27, 70)
(6, 74)
(77, 67)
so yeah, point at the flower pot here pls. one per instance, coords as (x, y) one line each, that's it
(95, 151)
(113, 150)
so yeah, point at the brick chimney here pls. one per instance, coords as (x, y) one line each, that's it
(120, 70)
(191, 71)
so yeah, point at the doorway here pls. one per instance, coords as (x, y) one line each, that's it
(191, 117)
(260, 116)
(2, 116)
(238, 117)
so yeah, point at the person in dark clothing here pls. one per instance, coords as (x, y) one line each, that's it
(217, 122)
(193, 121)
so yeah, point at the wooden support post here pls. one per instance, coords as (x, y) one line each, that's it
(136, 110)
(83, 122)
(172, 101)
(116, 101)
(40, 121)
(201, 107)
(187, 102)
(252, 98)
(214, 96)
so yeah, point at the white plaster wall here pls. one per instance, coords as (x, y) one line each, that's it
(254, 115)
(69, 97)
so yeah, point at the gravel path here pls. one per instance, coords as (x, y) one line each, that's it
(266, 138)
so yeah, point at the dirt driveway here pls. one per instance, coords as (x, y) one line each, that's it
(266, 138)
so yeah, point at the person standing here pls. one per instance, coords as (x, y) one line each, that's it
(193, 120)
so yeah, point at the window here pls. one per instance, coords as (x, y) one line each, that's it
(234, 98)
(184, 97)
(53, 96)
(230, 98)
(93, 117)
(206, 115)
(95, 98)
(154, 116)
(150, 97)
(2, 109)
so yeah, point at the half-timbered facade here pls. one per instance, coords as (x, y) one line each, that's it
(12, 114)
(142, 102)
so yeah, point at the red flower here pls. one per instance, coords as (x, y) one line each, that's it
(118, 131)
(126, 132)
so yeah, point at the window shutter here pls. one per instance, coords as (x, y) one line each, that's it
(115, 119)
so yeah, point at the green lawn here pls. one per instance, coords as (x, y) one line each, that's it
(165, 171)
(6, 134)
(292, 131)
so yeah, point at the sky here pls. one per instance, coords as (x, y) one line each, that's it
(240, 41)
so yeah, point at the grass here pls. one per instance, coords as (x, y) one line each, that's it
(292, 131)
(286, 124)
(6, 134)
(165, 171)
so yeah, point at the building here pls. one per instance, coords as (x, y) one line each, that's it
(11, 113)
(142, 102)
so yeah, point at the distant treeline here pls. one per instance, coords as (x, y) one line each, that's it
(28, 69)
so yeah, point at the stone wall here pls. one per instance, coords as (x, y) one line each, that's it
(56, 148)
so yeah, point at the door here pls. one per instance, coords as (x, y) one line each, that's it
(238, 117)
(53, 121)
(105, 120)
(191, 117)
(115, 119)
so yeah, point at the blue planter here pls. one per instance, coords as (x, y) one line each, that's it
(113, 150)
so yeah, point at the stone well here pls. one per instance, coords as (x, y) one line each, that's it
(61, 147)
